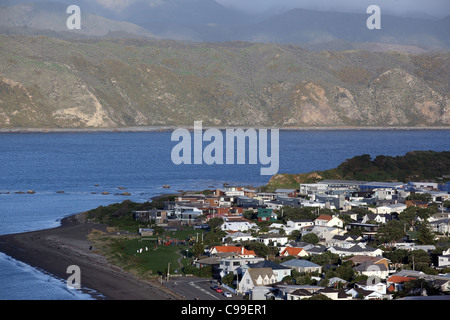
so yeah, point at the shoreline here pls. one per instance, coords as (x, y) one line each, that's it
(171, 128)
(53, 250)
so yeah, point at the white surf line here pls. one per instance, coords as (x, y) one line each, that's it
(203, 290)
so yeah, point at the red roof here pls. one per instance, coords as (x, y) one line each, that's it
(233, 249)
(399, 279)
(292, 251)
(324, 217)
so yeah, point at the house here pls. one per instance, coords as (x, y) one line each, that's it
(334, 281)
(159, 216)
(378, 218)
(302, 265)
(357, 249)
(343, 241)
(280, 271)
(372, 270)
(391, 208)
(416, 203)
(272, 239)
(238, 237)
(256, 277)
(324, 233)
(236, 264)
(145, 232)
(213, 262)
(358, 259)
(395, 282)
(239, 251)
(444, 259)
(328, 221)
(360, 293)
(299, 224)
(334, 294)
(237, 224)
(377, 286)
(187, 214)
(287, 192)
(440, 226)
(265, 214)
(298, 294)
(292, 251)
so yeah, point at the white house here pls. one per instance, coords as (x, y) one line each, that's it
(235, 264)
(237, 224)
(444, 259)
(279, 270)
(370, 269)
(325, 220)
(299, 224)
(256, 277)
(391, 208)
(238, 237)
(272, 239)
(357, 249)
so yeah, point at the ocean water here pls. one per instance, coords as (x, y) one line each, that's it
(69, 171)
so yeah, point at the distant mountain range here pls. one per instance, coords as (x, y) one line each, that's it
(297, 68)
(208, 21)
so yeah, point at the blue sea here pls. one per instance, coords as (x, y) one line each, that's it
(69, 171)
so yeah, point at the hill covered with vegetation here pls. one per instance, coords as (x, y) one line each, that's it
(53, 83)
(413, 166)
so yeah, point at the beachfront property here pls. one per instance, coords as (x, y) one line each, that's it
(345, 219)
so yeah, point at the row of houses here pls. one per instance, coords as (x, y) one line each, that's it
(262, 279)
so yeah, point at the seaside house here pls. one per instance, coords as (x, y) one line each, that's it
(302, 265)
(239, 251)
(279, 270)
(256, 277)
(370, 269)
(357, 249)
(328, 221)
(272, 239)
(293, 251)
(444, 259)
(265, 214)
(237, 224)
(236, 264)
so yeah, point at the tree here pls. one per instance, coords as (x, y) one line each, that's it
(391, 232)
(425, 236)
(419, 260)
(311, 238)
(296, 234)
(325, 258)
(198, 249)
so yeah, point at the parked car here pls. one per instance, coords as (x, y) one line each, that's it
(227, 294)
(216, 288)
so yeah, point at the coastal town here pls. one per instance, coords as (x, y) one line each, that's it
(335, 239)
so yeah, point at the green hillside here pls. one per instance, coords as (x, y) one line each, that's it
(413, 166)
(52, 83)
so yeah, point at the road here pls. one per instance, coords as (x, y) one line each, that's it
(193, 288)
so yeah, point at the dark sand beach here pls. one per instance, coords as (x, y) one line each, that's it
(53, 250)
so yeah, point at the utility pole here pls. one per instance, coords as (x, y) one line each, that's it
(168, 271)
